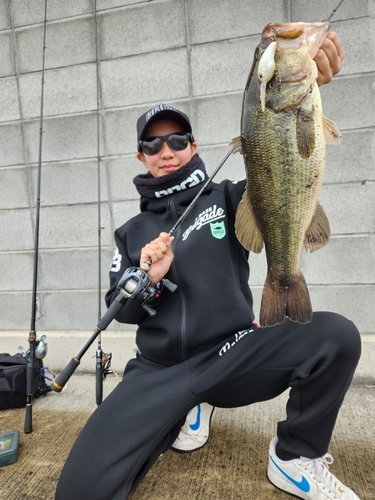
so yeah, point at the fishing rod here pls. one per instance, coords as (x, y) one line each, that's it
(334, 10)
(184, 215)
(99, 351)
(134, 284)
(102, 359)
(30, 370)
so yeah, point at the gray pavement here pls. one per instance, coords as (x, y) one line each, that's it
(232, 465)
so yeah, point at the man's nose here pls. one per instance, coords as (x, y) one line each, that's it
(166, 150)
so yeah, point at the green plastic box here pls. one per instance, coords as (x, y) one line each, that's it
(9, 448)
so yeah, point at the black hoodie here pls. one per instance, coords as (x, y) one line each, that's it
(210, 268)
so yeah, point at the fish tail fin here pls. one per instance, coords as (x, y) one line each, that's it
(279, 302)
(298, 305)
(273, 306)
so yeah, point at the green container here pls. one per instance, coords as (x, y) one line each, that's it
(9, 448)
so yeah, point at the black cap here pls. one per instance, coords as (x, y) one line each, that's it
(161, 112)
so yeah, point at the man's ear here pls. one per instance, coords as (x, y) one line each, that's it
(141, 158)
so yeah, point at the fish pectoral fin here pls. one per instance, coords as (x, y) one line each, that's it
(318, 232)
(247, 229)
(332, 134)
(305, 133)
(236, 145)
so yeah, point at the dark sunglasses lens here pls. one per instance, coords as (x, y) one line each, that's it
(152, 146)
(178, 142)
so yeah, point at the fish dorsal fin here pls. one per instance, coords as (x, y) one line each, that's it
(318, 232)
(305, 133)
(247, 229)
(332, 134)
(236, 145)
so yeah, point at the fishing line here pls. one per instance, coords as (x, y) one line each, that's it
(335, 10)
(30, 372)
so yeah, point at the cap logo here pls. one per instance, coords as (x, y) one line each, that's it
(156, 109)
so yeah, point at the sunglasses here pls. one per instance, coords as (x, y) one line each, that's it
(176, 141)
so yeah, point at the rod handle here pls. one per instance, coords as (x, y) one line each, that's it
(28, 427)
(59, 383)
(99, 376)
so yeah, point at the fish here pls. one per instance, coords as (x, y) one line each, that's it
(283, 141)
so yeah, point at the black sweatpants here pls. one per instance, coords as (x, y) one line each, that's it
(143, 415)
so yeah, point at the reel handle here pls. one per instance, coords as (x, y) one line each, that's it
(172, 287)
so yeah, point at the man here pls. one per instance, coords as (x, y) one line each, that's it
(202, 345)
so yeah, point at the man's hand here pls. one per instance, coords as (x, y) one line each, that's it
(329, 58)
(161, 255)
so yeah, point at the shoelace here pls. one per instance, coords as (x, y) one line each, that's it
(192, 437)
(321, 468)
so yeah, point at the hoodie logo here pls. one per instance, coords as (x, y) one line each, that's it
(208, 216)
(194, 179)
(116, 262)
(218, 230)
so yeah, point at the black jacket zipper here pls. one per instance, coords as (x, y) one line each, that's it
(181, 294)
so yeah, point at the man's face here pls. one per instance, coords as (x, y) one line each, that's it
(167, 160)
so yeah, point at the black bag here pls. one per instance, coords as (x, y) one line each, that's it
(13, 388)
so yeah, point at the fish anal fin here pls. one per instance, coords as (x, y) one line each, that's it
(278, 303)
(236, 145)
(332, 134)
(318, 232)
(247, 229)
(305, 132)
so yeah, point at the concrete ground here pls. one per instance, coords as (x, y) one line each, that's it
(231, 466)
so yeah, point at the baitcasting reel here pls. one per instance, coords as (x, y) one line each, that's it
(135, 284)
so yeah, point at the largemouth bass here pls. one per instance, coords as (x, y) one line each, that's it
(283, 141)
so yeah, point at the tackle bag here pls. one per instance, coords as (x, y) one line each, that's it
(13, 388)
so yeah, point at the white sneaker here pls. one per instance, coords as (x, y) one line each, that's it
(195, 432)
(307, 478)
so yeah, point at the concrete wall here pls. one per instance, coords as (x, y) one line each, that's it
(195, 54)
